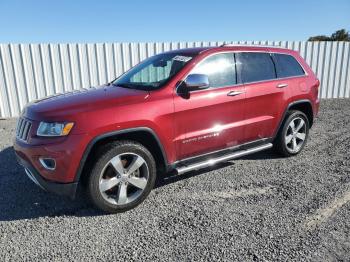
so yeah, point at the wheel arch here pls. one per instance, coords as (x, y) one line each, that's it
(143, 135)
(303, 105)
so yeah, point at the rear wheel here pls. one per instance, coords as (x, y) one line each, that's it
(293, 135)
(122, 177)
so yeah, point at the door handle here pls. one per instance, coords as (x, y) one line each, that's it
(282, 85)
(235, 93)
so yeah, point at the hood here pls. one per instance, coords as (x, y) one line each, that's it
(70, 104)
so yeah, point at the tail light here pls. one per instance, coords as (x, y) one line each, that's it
(316, 87)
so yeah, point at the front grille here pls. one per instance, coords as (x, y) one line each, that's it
(23, 128)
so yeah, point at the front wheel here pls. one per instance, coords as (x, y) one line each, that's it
(293, 135)
(122, 177)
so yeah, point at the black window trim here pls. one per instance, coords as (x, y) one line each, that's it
(274, 64)
(238, 76)
(277, 78)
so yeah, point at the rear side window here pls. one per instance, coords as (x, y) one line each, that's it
(287, 66)
(219, 68)
(255, 66)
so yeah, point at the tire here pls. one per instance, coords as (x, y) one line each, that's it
(284, 143)
(122, 177)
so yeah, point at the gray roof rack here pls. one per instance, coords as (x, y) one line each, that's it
(252, 45)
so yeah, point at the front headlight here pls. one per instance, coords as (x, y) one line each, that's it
(54, 129)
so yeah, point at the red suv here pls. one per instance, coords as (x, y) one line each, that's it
(178, 111)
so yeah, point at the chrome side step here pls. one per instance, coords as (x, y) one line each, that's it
(183, 169)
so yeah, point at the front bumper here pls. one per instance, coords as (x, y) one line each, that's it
(65, 151)
(64, 189)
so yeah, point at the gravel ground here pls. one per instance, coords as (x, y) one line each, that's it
(261, 207)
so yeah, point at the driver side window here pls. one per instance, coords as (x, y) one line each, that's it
(219, 68)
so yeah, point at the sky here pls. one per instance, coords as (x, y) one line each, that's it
(71, 21)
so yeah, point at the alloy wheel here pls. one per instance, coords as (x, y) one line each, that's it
(124, 178)
(295, 135)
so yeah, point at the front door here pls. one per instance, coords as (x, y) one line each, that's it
(210, 119)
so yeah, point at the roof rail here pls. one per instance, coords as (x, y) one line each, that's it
(254, 45)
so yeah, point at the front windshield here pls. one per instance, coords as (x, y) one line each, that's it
(154, 72)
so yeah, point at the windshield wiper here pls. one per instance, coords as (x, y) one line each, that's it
(111, 84)
(126, 85)
(134, 86)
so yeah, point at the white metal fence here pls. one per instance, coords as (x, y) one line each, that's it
(31, 71)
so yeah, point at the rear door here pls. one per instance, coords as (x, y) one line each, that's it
(290, 73)
(264, 94)
(210, 119)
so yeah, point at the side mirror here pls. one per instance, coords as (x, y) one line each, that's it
(196, 81)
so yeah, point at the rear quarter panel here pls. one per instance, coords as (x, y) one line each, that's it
(306, 87)
(301, 87)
